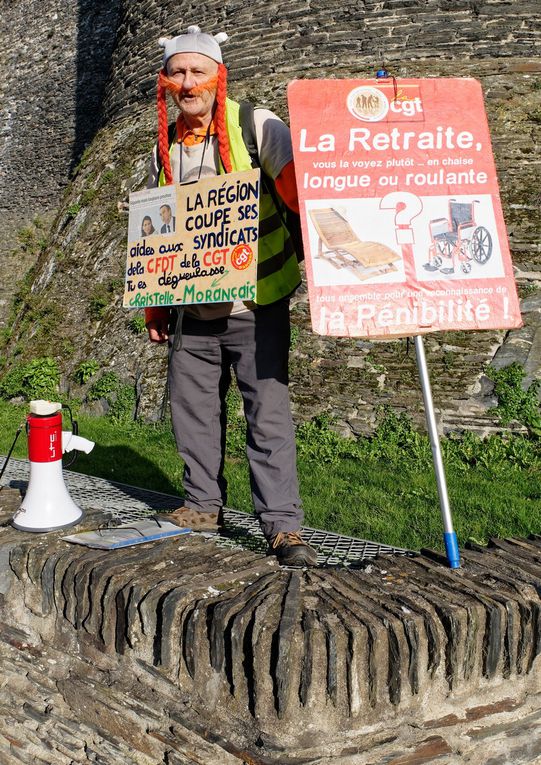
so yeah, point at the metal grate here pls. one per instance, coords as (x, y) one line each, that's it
(130, 503)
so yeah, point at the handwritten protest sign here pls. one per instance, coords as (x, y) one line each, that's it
(401, 214)
(193, 243)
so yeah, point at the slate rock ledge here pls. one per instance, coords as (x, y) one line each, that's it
(187, 652)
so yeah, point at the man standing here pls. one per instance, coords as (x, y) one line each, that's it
(167, 219)
(251, 338)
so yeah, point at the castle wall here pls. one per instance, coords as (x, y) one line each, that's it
(109, 80)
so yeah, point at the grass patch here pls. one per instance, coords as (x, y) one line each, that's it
(381, 488)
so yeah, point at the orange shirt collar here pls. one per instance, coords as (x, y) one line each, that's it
(192, 136)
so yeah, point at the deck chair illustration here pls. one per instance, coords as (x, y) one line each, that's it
(340, 246)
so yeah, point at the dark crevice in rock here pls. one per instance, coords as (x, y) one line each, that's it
(120, 622)
(412, 637)
(47, 582)
(210, 632)
(374, 633)
(66, 589)
(228, 656)
(83, 592)
(188, 634)
(393, 669)
(508, 640)
(332, 681)
(392, 619)
(217, 634)
(351, 676)
(273, 660)
(244, 664)
(157, 642)
(107, 617)
(433, 644)
(307, 624)
(248, 664)
(492, 640)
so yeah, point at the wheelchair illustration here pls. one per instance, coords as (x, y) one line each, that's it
(458, 240)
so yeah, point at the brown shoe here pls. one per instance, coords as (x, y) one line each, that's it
(186, 517)
(291, 550)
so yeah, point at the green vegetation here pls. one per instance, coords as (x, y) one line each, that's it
(137, 324)
(85, 371)
(295, 333)
(515, 402)
(526, 289)
(99, 300)
(107, 176)
(122, 404)
(104, 387)
(73, 209)
(535, 115)
(31, 240)
(120, 397)
(40, 378)
(88, 196)
(37, 379)
(380, 488)
(102, 296)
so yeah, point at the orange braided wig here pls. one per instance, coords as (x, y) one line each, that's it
(163, 139)
(221, 129)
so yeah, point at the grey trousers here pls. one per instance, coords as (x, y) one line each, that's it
(255, 345)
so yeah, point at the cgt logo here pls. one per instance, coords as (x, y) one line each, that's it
(371, 104)
(242, 256)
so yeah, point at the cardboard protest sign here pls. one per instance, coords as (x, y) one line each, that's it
(194, 243)
(401, 214)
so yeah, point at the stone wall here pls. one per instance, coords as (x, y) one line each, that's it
(55, 58)
(82, 260)
(188, 652)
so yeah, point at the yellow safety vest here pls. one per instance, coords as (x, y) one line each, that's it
(278, 272)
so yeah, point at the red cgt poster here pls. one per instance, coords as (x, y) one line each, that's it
(401, 214)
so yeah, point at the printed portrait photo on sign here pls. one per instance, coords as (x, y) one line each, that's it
(155, 216)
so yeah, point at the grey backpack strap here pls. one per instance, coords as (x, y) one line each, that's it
(290, 219)
(247, 124)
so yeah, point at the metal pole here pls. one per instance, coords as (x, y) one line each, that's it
(449, 536)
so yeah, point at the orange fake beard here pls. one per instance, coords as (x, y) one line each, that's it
(178, 91)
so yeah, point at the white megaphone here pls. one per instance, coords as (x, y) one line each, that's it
(47, 506)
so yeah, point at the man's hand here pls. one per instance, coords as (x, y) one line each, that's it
(158, 330)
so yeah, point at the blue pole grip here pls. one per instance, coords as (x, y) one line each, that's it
(451, 548)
